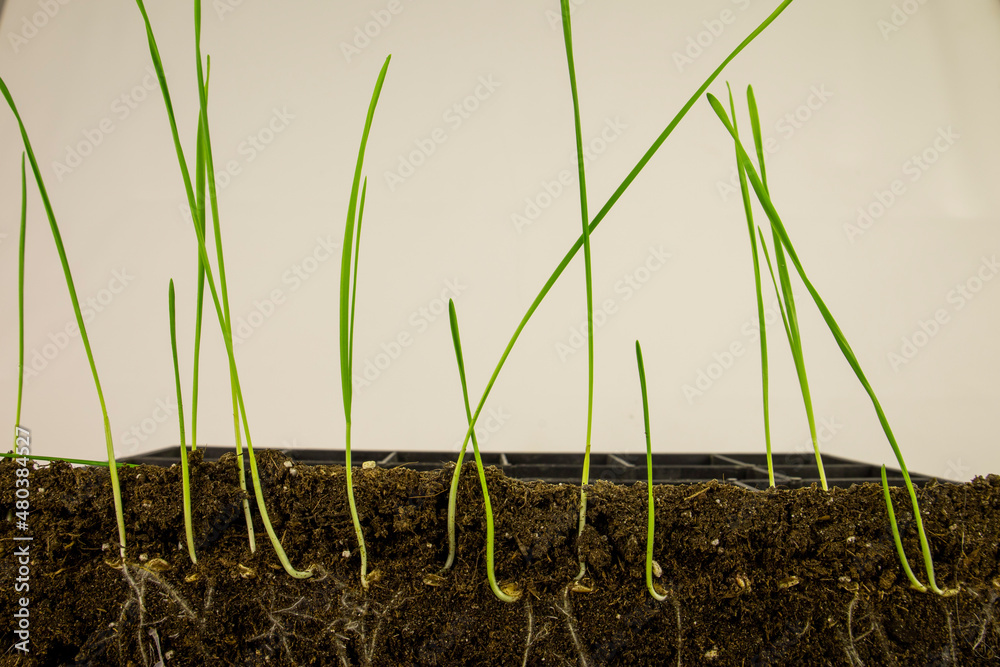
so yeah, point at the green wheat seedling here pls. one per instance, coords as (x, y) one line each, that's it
(509, 592)
(348, 301)
(650, 506)
(763, 197)
(203, 253)
(606, 208)
(585, 218)
(786, 299)
(748, 211)
(786, 302)
(185, 472)
(201, 175)
(20, 298)
(205, 171)
(57, 238)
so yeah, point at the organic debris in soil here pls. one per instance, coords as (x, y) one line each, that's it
(753, 578)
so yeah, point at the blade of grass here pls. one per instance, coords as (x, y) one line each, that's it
(205, 144)
(748, 211)
(185, 472)
(616, 195)
(348, 293)
(786, 294)
(585, 218)
(57, 238)
(765, 200)
(20, 297)
(200, 176)
(223, 322)
(509, 593)
(650, 506)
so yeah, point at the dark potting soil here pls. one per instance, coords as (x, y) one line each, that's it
(780, 577)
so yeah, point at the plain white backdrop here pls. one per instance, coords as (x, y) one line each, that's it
(881, 117)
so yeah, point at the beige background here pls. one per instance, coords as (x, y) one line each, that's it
(285, 73)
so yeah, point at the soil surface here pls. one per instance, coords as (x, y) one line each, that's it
(781, 577)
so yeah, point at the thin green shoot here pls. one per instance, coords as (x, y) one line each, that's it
(650, 506)
(20, 298)
(223, 322)
(200, 177)
(348, 294)
(786, 294)
(185, 471)
(615, 196)
(748, 211)
(57, 238)
(765, 200)
(895, 536)
(82, 462)
(205, 145)
(585, 217)
(509, 592)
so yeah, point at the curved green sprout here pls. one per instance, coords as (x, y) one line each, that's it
(650, 507)
(57, 237)
(895, 536)
(185, 472)
(348, 294)
(508, 593)
(224, 322)
(902, 553)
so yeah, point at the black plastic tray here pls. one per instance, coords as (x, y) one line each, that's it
(746, 470)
